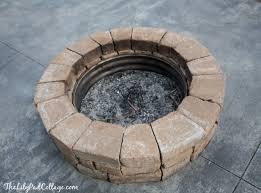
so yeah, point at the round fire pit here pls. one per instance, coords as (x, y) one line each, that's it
(131, 104)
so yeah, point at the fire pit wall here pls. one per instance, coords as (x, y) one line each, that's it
(141, 152)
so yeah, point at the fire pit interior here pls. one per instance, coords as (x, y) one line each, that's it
(131, 89)
(131, 104)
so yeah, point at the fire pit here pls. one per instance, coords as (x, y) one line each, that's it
(131, 104)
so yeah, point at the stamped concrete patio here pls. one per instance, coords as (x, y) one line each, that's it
(32, 33)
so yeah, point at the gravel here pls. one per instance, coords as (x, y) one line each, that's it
(131, 97)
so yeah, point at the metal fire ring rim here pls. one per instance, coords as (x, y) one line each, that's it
(97, 72)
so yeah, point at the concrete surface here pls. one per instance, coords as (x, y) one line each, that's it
(32, 32)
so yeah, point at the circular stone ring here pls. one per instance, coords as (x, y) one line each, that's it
(139, 152)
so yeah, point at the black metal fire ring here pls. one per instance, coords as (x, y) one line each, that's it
(143, 62)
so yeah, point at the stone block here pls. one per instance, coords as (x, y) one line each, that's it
(203, 113)
(203, 143)
(67, 132)
(49, 90)
(88, 48)
(191, 50)
(209, 87)
(175, 134)
(105, 41)
(92, 173)
(100, 143)
(146, 38)
(139, 147)
(57, 72)
(150, 177)
(122, 38)
(169, 41)
(55, 110)
(204, 66)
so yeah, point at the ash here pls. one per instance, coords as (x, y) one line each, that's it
(131, 97)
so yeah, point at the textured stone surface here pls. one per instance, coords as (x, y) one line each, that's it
(55, 110)
(89, 49)
(208, 87)
(91, 172)
(49, 90)
(191, 50)
(122, 38)
(204, 142)
(244, 187)
(201, 112)
(206, 65)
(150, 177)
(131, 171)
(68, 131)
(168, 171)
(146, 39)
(100, 143)
(175, 133)
(104, 167)
(105, 40)
(67, 57)
(253, 173)
(169, 41)
(87, 164)
(179, 158)
(139, 148)
(57, 72)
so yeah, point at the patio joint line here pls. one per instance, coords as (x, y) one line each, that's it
(230, 173)
(241, 178)
(219, 166)
(8, 45)
(8, 61)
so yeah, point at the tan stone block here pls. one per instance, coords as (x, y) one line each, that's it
(111, 55)
(122, 38)
(191, 50)
(57, 72)
(146, 38)
(49, 90)
(167, 172)
(203, 144)
(55, 110)
(203, 113)
(203, 66)
(209, 87)
(179, 157)
(169, 41)
(142, 52)
(92, 63)
(70, 58)
(66, 152)
(139, 148)
(105, 40)
(69, 130)
(127, 171)
(104, 167)
(70, 94)
(92, 173)
(126, 52)
(149, 177)
(175, 133)
(88, 48)
(87, 164)
(100, 143)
